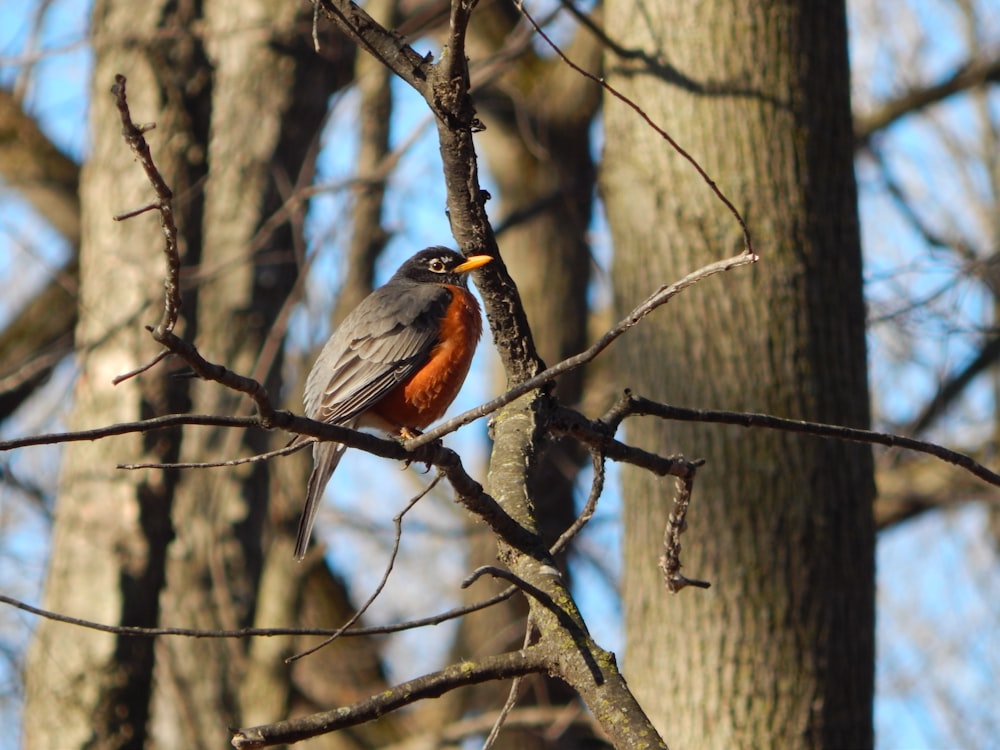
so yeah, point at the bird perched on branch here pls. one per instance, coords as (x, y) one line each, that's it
(396, 362)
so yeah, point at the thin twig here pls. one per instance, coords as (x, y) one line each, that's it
(747, 240)
(638, 405)
(533, 591)
(118, 379)
(499, 667)
(398, 523)
(126, 428)
(151, 632)
(511, 702)
(670, 561)
(163, 332)
(294, 447)
(147, 632)
(599, 436)
(564, 611)
(596, 490)
(136, 212)
(133, 136)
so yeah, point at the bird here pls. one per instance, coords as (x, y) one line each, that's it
(395, 363)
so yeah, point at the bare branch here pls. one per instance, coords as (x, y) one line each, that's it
(219, 374)
(500, 667)
(599, 436)
(511, 702)
(133, 136)
(398, 523)
(291, 448)
(747, 240)
(387, 47)
(469, 493)
(137, 631)
(670, 562)
(125, 428)
(972, 73)
(141, 369)
(596, 490)
(644, 406)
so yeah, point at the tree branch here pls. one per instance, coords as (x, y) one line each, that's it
(499, 667)
(642, 406)
(388, 47)
(670, 562)
(138, 631)
(954, 385)
(40, 173)
(747, 239)
(972, 73)
(397, 538)
(133, 136)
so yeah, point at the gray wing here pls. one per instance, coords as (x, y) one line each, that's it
(382, 342)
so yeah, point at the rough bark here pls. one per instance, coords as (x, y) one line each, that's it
(111, 532)
(780, 651)
(536, 145)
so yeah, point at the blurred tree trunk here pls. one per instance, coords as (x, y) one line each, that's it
(41, 335)
(111, 530)
(237, 88)
(261, 133)
(779, 652)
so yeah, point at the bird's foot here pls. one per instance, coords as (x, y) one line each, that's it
(408, 433)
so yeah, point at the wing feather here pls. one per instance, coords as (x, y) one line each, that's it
(382, 342)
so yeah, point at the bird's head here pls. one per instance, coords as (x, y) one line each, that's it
(440, 265)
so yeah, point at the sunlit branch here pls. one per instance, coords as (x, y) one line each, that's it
(499, 667)
(670, 561)
(136, 141)
(640, 406)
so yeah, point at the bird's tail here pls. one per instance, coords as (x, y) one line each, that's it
(326, 456)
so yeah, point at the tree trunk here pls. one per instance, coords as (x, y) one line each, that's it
(192, 547)
(779, 652)
(215, 563)
(111, 529)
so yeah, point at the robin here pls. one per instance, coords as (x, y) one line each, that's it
(396, 362)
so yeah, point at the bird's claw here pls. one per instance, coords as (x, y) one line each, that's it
(408, 433)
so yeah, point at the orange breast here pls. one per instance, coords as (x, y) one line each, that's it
(427, 394)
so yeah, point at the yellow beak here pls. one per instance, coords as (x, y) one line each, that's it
(473, 262)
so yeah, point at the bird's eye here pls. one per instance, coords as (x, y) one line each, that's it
(437, 266)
